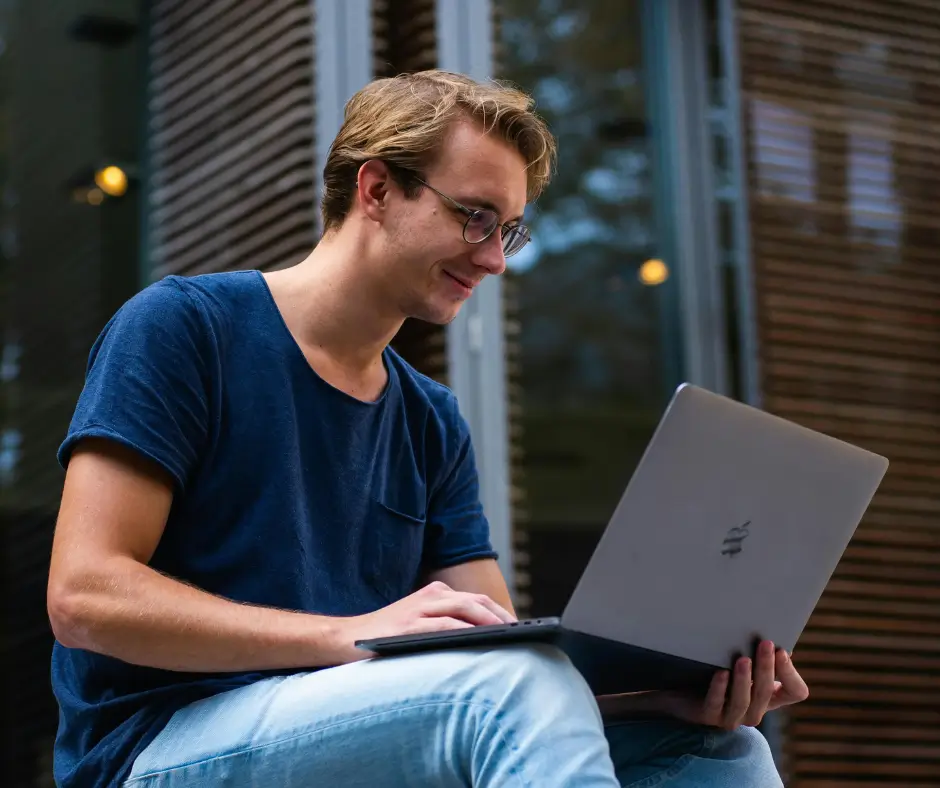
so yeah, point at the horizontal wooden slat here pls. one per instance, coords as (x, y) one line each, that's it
(818, 363)
(927, 631)
(871, 286)
(239, 252)
(903, 557)
(799, 144)
(289, 250)
(870, 16)
(843, 767)
(182, 209)
(857, 570)
(854, 387)
(882, 716)
(842, 114)
(900, 609)
(887, 417)
(838, 252)
(833, 74)
(237, 153)
(195, 89)
(928, 539)
(823, 113)
(171, 140)
(169, 16)
(270, 91)
(871, 678)
(243, 216)
(208, 55)
(231, 133)
(823, 782)
(807, 320)
(863, 732)
(926, 751)
(845, 352)
(807, 655)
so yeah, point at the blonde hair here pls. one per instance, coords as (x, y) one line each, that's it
(402, 120)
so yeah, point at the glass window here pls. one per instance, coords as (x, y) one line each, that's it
(589, 288)
(71, 103)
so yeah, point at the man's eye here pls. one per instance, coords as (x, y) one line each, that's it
(484, 219)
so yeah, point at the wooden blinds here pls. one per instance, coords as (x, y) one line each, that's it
(841, 107)
(231, 135)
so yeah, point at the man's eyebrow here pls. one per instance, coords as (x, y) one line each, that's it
(479, 202)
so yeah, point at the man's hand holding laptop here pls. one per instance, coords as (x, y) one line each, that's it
(764, 684)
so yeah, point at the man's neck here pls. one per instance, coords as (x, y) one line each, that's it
(331, 309)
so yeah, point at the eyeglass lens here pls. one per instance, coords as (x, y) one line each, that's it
(482, 224)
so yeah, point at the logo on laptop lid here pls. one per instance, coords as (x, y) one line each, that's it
(734, 541)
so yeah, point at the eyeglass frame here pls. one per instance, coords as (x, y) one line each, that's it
(472, 212)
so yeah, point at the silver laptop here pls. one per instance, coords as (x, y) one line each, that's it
(727, 533)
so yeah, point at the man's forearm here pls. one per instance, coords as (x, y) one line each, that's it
(137, 615)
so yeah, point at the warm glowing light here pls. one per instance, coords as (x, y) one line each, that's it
(95, 197)
(112, 180)
(653, 272)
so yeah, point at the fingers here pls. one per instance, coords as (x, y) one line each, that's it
(438, 624)
(470, 608)
(505, 617)
(714, 706)
(745, 694)
(465, 608)
(474, 609)
(792, 687)
(740, 700)
(763, 689)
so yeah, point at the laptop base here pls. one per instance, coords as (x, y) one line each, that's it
(608, 667)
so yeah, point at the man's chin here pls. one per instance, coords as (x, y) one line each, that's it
(438, 316)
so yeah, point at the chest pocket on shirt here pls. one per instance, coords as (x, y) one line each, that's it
(394, 542)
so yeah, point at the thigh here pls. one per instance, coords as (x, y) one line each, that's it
(662, 752)
(450, 718)
(338, 726)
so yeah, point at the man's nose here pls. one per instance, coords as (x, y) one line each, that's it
(489, 256)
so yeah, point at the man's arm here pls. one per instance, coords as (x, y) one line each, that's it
(103, 597)
(477, 577)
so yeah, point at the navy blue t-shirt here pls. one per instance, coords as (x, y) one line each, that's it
(289, 492)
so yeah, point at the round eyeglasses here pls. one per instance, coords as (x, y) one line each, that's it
(482, 223)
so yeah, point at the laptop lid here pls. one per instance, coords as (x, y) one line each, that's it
(728, 531)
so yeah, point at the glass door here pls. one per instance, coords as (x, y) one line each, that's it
(591, 295)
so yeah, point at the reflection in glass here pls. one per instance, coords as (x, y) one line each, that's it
(784, 152)
(875, 212)
(590, 347)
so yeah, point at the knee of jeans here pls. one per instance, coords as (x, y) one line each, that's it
(537, 671)
(746, 744)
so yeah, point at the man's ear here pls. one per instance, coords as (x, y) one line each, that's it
(373, 186)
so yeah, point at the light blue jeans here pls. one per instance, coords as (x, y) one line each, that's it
(501, 718)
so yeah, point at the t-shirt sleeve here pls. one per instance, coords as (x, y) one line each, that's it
(146, 381)
(457, 529)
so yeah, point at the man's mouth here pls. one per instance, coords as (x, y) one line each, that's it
(465, 282)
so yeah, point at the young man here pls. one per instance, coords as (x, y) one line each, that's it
(255, 481)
